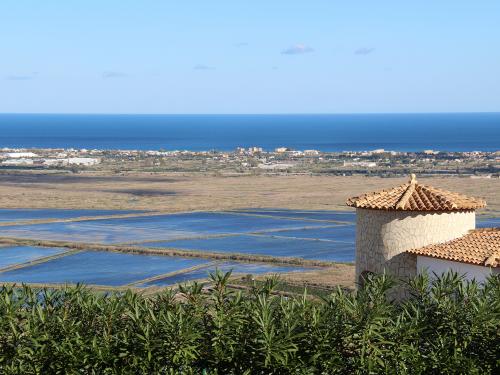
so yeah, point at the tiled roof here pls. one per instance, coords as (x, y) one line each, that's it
(480, 246)
(415, 197)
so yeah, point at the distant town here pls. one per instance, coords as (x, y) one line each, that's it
(255, 160)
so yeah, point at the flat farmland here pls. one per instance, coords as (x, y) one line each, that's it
(174, 192)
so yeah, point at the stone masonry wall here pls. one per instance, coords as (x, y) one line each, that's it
(383, 236)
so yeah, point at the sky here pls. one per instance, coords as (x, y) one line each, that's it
(259, 56)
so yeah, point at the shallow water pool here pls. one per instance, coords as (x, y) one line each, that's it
(342, 233)
(266, 245)
(10, 256)
(235, 267)
(335, 216)
(158, 227)
(100, 268)
(23, 214)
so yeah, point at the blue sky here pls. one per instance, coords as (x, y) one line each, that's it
(259, 56)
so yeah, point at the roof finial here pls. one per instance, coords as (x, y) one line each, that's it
(413, 179)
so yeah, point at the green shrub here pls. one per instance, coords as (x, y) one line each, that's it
(446, 326)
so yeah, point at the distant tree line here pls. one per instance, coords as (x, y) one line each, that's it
(446, 326)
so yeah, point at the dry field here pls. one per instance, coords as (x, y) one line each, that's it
(185, 192)
(339, 275)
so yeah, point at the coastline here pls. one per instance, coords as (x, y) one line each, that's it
(325, 132)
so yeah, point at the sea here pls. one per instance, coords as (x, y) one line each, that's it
(323, 132)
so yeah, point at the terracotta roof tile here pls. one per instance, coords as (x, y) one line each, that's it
(479, 246)
(415, 197)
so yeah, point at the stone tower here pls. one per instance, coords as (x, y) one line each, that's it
(410, 216)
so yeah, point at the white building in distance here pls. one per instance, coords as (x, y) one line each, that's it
(311, 152)
(19, 155)
(280, 150)
(83, 161)
(18, 161)
(87, 162)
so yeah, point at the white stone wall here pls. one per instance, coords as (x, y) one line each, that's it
(439, 266)
(382, 237)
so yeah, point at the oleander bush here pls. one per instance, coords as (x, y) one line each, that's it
(445, 326)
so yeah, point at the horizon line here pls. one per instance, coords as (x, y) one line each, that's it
(246, 114)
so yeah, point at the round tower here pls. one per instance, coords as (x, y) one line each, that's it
(410, 216)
